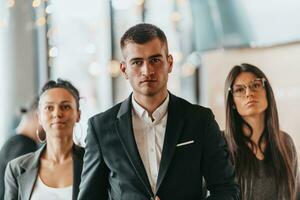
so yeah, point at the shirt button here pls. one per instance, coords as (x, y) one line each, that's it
(152, 150)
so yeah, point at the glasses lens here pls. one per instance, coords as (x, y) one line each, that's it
(256, 85)
(238, 91)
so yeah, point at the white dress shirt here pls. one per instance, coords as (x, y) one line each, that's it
(149, 134)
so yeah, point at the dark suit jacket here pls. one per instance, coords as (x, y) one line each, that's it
(21, 174)
(113, 168)
(14, 147)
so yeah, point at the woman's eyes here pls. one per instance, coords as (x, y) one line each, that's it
(63, 107)
(256, 85)
(48, 108)
(66, 107)
(241, 89)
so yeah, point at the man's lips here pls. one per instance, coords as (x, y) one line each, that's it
(148, 81)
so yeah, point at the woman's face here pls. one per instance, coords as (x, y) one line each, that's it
(249, 95)
(58, 112)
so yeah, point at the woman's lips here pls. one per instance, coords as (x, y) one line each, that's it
(58, 123)
(252, 102)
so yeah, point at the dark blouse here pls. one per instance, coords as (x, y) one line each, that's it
(263, 185)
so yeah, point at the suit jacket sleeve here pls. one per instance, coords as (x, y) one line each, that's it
(94, 177)
(11, 184)
(294, 155)
(217, 168)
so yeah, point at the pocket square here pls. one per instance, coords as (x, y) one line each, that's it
(185, 143)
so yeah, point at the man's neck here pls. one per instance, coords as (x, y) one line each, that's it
(150, 103)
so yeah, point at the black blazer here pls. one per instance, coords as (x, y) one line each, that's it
(113, 168)
(21, 174)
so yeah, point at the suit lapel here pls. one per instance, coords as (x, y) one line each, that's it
(28, 177)
(174, 127)
(123, 126)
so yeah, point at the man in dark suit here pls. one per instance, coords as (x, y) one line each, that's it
(154, 145)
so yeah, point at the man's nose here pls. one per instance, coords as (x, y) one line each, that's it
(148, 69)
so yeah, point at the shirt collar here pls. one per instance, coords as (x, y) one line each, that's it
(157, 114)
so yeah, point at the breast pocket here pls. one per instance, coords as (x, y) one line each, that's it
(185, 143)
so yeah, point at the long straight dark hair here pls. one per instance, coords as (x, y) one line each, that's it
(278, 152)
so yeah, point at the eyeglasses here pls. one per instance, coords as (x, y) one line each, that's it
(240, 90)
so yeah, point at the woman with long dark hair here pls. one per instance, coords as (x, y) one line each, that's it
(265, 158)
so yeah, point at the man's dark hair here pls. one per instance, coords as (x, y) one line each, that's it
(142, 33)
(60, 83)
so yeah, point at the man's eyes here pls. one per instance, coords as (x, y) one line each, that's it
(155, 60)
(137, 62)
(151, 61)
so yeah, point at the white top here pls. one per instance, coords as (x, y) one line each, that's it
(149, 136)
(44, 192)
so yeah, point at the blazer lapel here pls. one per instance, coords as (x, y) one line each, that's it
(124, 129)
(28, 177)
(174, 127)
(77, 169)
(27, 181)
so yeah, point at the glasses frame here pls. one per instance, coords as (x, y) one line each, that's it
(263, 80)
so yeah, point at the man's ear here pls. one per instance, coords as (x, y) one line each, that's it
(123, 69)
(170, 63)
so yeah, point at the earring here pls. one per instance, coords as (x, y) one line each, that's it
(38, 136)
(77, 140)
(233, 107)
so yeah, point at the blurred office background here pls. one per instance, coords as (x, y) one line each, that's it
(79, 41)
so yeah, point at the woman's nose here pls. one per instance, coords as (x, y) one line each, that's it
(57, 112)
(249, 92)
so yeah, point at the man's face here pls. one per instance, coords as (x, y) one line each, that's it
(147, 67)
